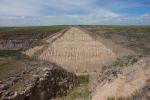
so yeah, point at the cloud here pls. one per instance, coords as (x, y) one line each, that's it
(17, 8)
(41, 7)
(57, 12)
(110, 19)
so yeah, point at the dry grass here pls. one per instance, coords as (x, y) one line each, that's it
(11, 61)
(80, 92)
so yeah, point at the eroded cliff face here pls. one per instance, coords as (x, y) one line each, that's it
(15, 44)
(126, 79)
(23, 37)
(39, 81)
(74, 50)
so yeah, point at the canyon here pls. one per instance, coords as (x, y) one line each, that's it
(55, 66)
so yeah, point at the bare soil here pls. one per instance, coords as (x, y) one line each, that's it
(133, 79)
(78, 51)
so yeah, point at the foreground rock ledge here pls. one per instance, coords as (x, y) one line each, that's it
(46, 82)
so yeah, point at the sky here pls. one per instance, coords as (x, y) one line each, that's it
(74, 12)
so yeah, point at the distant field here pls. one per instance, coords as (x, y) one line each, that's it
(35, 32)
(116, 27)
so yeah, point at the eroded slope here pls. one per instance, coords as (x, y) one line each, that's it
(76, 51)
(129, 82)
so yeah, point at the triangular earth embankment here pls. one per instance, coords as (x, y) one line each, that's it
(75, 50)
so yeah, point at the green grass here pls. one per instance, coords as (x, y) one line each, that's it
(36, 27)
(7, 65)
(11, 60)
(116, 27)
(83, 79)
(15, 54)
(80, 91)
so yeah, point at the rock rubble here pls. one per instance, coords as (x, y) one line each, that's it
(43, 83)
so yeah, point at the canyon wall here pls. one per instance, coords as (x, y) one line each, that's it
(15, 44)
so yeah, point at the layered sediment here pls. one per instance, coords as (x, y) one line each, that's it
(75, 50)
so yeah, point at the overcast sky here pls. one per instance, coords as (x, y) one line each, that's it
(60, 12)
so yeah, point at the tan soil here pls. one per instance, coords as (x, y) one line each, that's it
(30, 52)
(77, 51)
(133, 79)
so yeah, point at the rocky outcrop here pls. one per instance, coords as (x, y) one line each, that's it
(18, 38)
(111, 72)
(127, 78)
(44, 81)
(15, 44)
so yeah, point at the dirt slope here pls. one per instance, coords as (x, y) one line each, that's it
(129, 84)
(76, 50)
